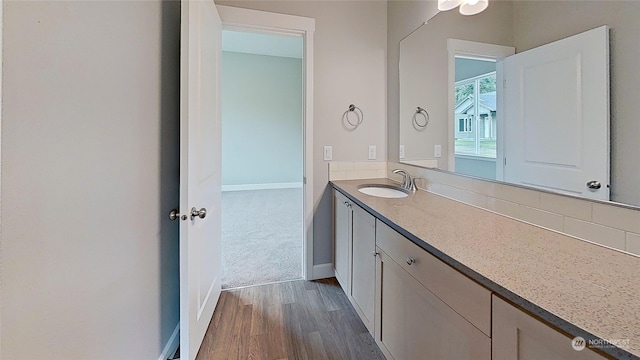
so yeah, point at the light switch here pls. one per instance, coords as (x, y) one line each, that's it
(401, 151)
(437, 151)
(372, 152)
(328, 153)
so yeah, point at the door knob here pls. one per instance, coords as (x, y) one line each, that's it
(174, 214)
(198, 213)
(594, 185)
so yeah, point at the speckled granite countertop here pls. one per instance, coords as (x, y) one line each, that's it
(581, 288)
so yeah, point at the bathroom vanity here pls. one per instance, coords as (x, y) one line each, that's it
(435, 278)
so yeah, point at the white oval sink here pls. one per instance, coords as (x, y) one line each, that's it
(383, 191)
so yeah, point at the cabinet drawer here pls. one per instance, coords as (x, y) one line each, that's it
(416, 325)
(465, 296)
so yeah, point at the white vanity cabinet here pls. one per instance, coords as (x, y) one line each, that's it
(418, 306)
(426, 309)
(354, 260)
(517, 335)
(342, 222)
(363, 267)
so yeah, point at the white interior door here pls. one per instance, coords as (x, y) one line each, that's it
(556, 133)
(200, 164)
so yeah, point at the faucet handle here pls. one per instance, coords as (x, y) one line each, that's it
(414, 186)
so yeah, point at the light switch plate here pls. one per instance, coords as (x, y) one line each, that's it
(401, 151)
(372, 152)
(328, 153)
(437, 151)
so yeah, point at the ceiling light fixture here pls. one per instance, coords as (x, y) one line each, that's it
(445, 5)
(467, 7)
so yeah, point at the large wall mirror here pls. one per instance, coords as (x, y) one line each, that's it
(536, 93)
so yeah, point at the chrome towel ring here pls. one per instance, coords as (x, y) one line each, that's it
(418, 125)
(358, 114)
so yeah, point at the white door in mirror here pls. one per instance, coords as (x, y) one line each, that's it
(556, 123)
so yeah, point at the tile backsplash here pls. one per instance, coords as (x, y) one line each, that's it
(613, 226)
(344, 170)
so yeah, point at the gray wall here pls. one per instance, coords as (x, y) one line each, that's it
(349, 68)
(480, 167)
(261, 119)
(89, 172)
(403, 17)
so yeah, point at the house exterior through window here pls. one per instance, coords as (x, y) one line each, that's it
(475, 114)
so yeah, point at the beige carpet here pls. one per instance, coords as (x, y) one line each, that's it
(261, 236)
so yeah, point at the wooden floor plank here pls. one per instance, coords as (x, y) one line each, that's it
(258, 348)
(294, 343)
(314, 345)
(332, 294)
(374, 352)
(224, 331)
(286, 292)
(295, 320)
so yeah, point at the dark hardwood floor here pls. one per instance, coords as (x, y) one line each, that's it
(291, 320)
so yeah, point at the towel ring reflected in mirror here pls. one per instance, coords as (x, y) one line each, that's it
(419, 124)
(348, 122)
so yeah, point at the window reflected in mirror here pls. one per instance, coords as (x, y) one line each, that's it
(475, 112)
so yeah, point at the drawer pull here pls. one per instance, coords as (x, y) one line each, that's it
(410, 261)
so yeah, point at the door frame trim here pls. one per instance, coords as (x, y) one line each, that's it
(481, 51)
(269, 22)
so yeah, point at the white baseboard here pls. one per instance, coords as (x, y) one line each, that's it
(322, 271)
(244, 187)
(172, 345)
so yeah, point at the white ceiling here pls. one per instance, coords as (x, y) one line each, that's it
(262, 44)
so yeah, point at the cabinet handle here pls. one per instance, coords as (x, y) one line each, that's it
(410, 261)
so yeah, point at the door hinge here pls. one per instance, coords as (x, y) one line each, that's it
(504, 83)
(304, 180)
(505, 161)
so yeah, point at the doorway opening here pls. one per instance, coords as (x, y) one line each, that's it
(262, 101)
(476, 84)
(475, 119)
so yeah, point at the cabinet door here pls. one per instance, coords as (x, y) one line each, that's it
(517, 335)
(363, 264)
(415, 325)
(342, 240)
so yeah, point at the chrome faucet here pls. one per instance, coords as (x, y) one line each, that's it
(407, 183)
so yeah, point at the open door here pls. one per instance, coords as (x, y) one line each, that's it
(200, 164)
(557, 116)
